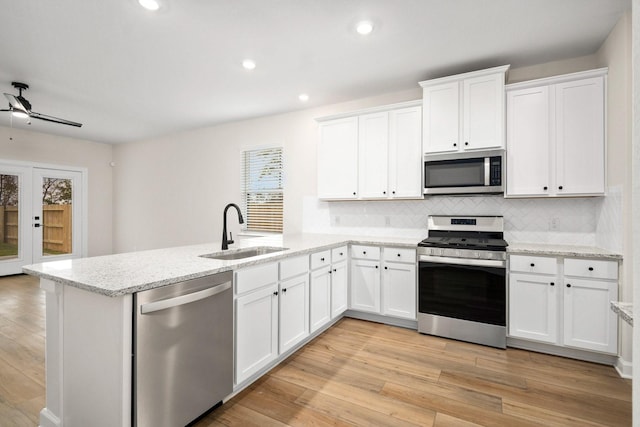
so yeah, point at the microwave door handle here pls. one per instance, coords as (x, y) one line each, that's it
(487, 170)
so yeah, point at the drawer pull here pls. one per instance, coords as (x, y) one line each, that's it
(590, 268)
(552, 284)
(322, 259)
(341, 254)
(364, 252)
(386, 268)
(399, 255)
(568, 285)
(545, 188)
(533, 265)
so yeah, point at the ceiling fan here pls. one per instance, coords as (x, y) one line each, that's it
(20, 107)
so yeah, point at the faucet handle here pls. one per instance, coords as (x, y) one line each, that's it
(230, 241)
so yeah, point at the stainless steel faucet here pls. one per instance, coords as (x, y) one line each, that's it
(226, 242)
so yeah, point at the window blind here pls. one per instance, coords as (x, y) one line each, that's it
(262, 189)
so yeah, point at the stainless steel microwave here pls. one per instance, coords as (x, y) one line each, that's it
(464, 173)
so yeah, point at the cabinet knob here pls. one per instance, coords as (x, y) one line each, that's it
(590, 268)
(276, 293)
(334, 270)
(376, 266)
(341, 254)
(284, 290)
(386, 268)
(466, 143)
(393, 192)
(560, 187)
(384, 192)
(354, 193)
(398, 254)
(552, 284)
(545, 188)
(322, 259)
(568, 285)
(329, 271)
(533, 265)
(364, 252)
(455, 145)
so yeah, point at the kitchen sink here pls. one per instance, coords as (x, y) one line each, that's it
(244, 253)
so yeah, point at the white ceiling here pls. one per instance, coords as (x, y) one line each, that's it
(130, 74)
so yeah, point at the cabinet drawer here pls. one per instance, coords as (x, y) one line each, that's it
(339, 254)
(252, 278)
(320, 259)
(399, 255)
(533, 264)
(365, 252)
(294, 267)
(598, 269)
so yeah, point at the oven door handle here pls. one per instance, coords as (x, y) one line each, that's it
(463, 261)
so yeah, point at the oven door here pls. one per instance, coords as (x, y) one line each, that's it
(467, 289)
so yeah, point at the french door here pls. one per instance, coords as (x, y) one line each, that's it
(41, 215)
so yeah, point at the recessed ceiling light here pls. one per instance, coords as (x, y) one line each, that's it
(149, 4)
(364, 28)
(248, 64)
(303, 97)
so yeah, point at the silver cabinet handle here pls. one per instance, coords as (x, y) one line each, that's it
(183, 299)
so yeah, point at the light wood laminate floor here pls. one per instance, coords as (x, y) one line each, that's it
(356, 373)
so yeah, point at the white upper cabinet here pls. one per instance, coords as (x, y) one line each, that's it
(338, 159)
(373, 160)
(387, 161)
(556, 136)
(464, 112)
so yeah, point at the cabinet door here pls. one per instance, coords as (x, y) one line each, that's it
(339, 289)
(533, 307)
(320, 299)
(365, 285)
(440, 118)
(483, 112)
(338, 159)
(399, 290)
(528, 141)
(405, 153)
(589, 322)
(256, 331)
(580, 137)
(294, 311)
(373, 150)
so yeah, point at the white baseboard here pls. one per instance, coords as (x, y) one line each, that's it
(624, 368)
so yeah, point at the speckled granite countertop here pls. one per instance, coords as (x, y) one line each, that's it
(624, 310)
(121, 274)
(562, 250)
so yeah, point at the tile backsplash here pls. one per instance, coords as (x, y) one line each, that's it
(593, 221)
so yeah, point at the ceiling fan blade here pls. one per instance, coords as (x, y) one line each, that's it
(15, 103)
(52, 119)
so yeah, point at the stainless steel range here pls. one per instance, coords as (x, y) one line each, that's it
(462, 279)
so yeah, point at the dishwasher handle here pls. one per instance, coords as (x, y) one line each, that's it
(152, 307)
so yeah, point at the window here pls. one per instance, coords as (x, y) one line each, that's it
(262, 190)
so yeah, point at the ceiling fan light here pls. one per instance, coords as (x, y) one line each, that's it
(19, 114)
(152, 5)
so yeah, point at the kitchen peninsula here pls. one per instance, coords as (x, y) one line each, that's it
(89, 325)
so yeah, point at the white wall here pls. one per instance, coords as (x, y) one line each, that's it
(172, 190)
(37, 147)
(615, 54)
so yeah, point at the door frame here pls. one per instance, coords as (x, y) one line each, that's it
(84, 205)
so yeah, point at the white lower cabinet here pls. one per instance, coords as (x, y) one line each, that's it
(533, 307)
(294, 311)
(390, 290)
(399, 290)
(564, 301)
(256, 331)
(339, 288)
(589, 322)
(320, 306)
(271, 313)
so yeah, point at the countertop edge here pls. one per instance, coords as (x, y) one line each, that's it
(561, 250)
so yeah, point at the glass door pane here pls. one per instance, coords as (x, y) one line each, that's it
(9, 216)
(57, 214)
(15, 227)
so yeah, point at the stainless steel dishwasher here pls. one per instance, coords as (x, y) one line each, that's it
(183, 350)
